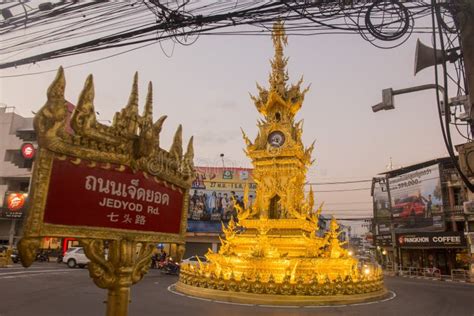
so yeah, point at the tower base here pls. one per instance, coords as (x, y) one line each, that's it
(280, 300)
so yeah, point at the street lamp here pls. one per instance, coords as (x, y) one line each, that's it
(387, 95)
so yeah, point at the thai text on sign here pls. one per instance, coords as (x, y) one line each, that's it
(90, 194)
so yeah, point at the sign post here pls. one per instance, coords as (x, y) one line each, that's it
(108, 186)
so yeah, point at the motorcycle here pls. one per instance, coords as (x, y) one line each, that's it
(171, 267)
(42, 257)
(15, 257)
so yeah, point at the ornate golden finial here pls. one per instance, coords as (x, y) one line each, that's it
(177, 146)
(246, 195)
(147, 136)
(188, 165)
(56, 89)
(148, 111)
(157, 127)
(50, 119)
(126, 121)
(279, 97)
(333, 225)
(133, 99)
(246, 139)
(190, 149)
(84, 117)
(311, 198)
(279, 74)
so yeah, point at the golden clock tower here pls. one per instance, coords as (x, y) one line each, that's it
(278, 155)
(272, 253)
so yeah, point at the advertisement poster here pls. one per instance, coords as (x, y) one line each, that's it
(417, 200)
(380, 199)
(14, 204)
(215, 191)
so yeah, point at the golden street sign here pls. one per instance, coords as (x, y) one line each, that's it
(97, 182)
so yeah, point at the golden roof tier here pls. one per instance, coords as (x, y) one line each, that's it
(274, 251)
(278, 155)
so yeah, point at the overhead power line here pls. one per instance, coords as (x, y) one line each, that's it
(342, 190)
(73, 28)
(337, 182)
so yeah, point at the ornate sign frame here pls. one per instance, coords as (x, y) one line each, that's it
(129, 148)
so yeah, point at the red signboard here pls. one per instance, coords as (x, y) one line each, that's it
(15, 201)
(14, 204)
(87, 194)
(28, 151)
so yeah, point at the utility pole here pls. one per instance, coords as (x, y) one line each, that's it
(396, 257)
(464, 20)
(463, 15)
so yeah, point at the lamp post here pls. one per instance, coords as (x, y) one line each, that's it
(387, 95)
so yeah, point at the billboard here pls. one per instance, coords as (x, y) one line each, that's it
(214, 192)
(432, 240)
(381, 200)
(416, 200)
(14, 204)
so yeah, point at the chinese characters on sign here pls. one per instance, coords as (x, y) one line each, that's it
(111, 198)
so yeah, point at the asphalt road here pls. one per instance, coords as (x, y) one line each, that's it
(52, 289)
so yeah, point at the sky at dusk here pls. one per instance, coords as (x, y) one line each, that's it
(205, 87)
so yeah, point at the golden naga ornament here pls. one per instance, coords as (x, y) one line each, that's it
(272, 253)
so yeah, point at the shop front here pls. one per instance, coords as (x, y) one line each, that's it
(435, 250)
(385, 253)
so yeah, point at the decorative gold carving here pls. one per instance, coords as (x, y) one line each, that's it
(132, 141)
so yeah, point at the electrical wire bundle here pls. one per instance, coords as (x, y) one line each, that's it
(443, 32)
(68, 28)
(74, 27)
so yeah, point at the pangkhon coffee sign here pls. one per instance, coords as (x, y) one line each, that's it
(87, 194)
(432, 240)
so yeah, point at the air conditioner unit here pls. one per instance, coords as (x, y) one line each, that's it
(468, 207)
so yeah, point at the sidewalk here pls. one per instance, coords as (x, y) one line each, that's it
(445, 278)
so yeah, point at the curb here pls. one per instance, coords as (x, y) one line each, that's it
(432, 279)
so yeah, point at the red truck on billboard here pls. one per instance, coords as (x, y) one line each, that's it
(409, 206)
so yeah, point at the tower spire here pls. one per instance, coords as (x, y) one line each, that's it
(279, 74)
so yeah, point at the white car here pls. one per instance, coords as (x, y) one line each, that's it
(75, 256)
(193, 260)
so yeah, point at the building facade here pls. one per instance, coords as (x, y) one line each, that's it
(421, 219)
(15, 171)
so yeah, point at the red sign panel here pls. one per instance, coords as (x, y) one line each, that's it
(14, 204)
(81, 195)
(28, 151)
(15, 201)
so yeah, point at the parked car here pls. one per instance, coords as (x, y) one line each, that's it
(75, 256)
(410, 206)
(194, 260)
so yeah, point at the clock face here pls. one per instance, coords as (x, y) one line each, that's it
(276, 139)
